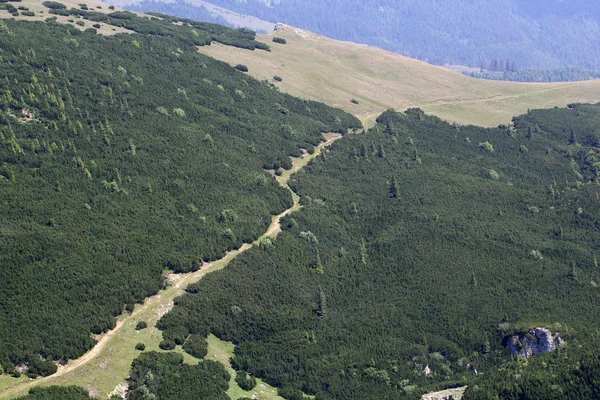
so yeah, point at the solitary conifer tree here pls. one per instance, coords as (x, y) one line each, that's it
(394, 188)
(573, 138)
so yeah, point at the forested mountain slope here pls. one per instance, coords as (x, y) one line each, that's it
(124, 156)
(421, 246)
(503, 34)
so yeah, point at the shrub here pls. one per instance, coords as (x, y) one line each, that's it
(277, 78)
(97, 26)
(487, 146)
(176, 334)
(241, 67)
(280, 40)
(245, 381)
(141, 325)
(167, 345)
(195, 345)
(54, 5)
(28, 13)
(494, 174)
(140, 346)
(179, 112)
(262, 46)
(80, 23)
(41, 367)
(161, 110)
(290, 394)
(354, 101)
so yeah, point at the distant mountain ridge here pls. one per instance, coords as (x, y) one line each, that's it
(499, 33)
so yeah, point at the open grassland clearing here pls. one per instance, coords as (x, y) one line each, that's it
(315, 67)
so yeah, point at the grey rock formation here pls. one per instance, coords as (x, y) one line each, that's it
(536, 341)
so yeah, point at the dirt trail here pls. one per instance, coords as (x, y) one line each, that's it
(177, 282)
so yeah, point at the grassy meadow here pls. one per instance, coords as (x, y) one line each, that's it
(315, 67)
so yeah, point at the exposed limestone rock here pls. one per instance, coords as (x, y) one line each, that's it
(427, 371)
(536, 341)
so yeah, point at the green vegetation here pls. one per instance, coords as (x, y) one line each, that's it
(407, 255)
(54, 5)
(57, 393)
(245, 382)
(100, 193)
(569, 74)
(241, 67)
(196, 346)
(279, 40)
(165, 376)
(141, 325)
(570, 374)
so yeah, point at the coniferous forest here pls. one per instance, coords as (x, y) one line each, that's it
(421, 244)
(124, 156)
(420, 248)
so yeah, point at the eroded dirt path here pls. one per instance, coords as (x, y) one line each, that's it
(160, 303)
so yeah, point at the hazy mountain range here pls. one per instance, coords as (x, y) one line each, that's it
(493, 34)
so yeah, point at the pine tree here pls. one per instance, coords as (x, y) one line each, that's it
(473, 279)
(394, 188)
(381, 152)
(573, 138)
(363, 151)
(321, 303)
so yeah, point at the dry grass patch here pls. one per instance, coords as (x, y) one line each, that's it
(334, 72)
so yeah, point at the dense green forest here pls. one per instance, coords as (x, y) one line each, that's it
(525, 33)
(165, 376)
(421, 245)
(567, 74)
(571, 374)
(56, 393)
(124, 156)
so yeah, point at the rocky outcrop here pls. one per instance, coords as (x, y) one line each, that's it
(448, 394)
(536, 341)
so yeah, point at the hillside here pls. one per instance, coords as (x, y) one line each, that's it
(198, 10)
(498, 34)
(421, 247)
(125, 156)
(315, 67)
(376, 263)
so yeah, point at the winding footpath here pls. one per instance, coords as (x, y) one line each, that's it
(75, 372)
